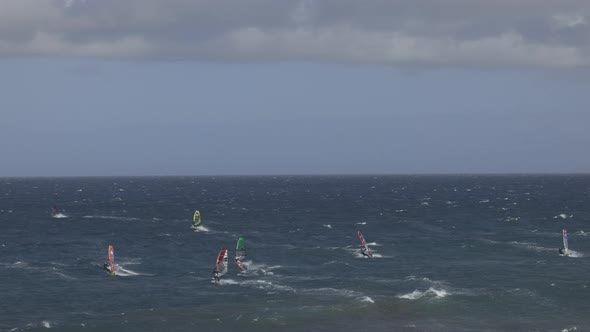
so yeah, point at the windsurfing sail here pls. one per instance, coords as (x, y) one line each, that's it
(240, 252)
(221, 264)
(196, 218)
(565, 245)
(365, 250)
(111, 256)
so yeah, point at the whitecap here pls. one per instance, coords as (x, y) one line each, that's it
(430, 292)
(569, 329)
(328, 226)
(46, 324)
(367, 299)
(328, 291)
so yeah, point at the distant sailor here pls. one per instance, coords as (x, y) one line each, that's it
(54, 211)
(216, 276)
(565, 249)
(365, 250)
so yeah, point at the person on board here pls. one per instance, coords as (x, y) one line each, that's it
(562, 251)
(107, 267)
(364, 252)
(216, 275)
(238, 261)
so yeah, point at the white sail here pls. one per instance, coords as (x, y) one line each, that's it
(565, 245)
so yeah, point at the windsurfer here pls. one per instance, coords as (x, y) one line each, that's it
(364, 251)
(216, 275)
(562, 251)
(107, 267)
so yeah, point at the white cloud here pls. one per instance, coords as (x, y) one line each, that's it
(569, 20)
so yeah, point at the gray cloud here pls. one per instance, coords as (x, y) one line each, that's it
(501, 33)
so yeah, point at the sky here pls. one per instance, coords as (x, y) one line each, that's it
(179, 87)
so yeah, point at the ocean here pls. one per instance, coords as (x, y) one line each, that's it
(452, 253)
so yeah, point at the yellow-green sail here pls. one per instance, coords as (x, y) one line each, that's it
(197, 218)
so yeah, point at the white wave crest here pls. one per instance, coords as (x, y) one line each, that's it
(367, 299)
(563, 216)
(430, 292)
(59, 216)
(361, 223)
(112, 218)
(328, 226)
(46, 324)
(328, 291)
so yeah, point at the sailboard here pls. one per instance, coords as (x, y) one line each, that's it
(240, 253)
(111, 256)
(565, 244)
(365, 250)
(220, 265)
(196, 219)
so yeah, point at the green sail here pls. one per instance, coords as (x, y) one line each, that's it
(241, 245)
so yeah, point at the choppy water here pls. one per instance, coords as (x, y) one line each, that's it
(463, 253)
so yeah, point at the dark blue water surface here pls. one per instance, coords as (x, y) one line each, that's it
(452, 253)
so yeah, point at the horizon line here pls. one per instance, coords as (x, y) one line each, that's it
(300, 175)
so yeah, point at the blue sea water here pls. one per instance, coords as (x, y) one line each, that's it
(452, 253)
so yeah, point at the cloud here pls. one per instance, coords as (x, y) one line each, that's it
(527, 33)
